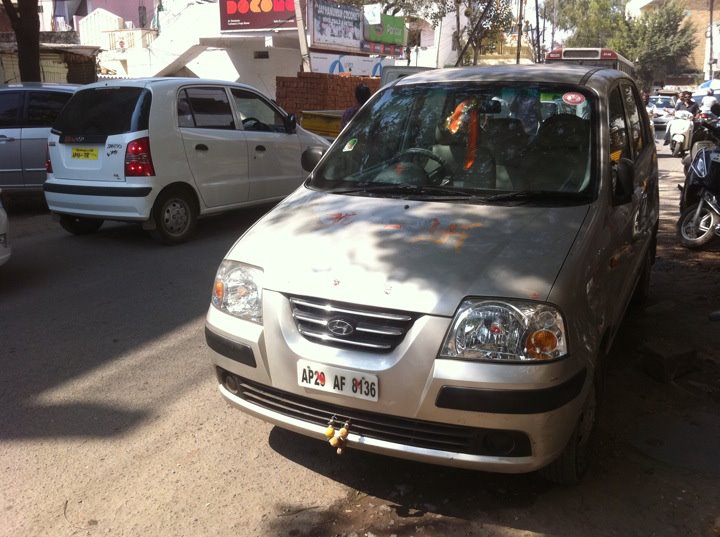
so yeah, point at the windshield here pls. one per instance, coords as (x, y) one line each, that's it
(466, 141)
(662, 102)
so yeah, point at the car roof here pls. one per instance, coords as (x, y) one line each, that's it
(165, 82)
(59, 86)
(597, 78)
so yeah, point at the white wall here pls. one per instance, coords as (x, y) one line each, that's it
(237, 64)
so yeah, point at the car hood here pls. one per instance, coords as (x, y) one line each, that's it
(422, 256)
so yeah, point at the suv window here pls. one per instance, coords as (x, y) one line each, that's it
(43, 107)
(10, 102)
(105, 111)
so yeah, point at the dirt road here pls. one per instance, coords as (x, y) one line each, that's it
(106, 432)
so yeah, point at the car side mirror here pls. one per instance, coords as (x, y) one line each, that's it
(623, 177)
(290, 124)
(310, 157)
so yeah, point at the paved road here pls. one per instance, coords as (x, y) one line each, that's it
(112, 423)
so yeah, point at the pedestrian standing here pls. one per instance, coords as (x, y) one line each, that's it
(362, 94)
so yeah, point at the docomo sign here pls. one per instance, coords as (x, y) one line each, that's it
(259, 6)
(258, 14)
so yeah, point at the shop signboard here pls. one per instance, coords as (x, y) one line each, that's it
(258, 14)
(343, 64)
(337, 25)
(390, 30)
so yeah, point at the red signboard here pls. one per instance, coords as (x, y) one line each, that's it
(258, 14)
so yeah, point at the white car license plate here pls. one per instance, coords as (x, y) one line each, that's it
(336, 380)
(85, 153)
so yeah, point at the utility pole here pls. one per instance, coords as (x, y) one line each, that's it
(710, 31)
(520, 27)
(302, 36)
(538, 49)
(554, 25)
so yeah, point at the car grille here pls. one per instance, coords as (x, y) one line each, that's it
(346, 326)
(403, 431)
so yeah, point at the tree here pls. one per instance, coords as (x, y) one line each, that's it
(659, 42)
(26, 24)
(593, 22)
(485, 21)
(496, 16)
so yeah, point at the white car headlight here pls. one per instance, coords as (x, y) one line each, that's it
(238, 290)
(495, 330)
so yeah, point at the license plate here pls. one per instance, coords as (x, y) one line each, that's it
(85, 153)
(336, 380)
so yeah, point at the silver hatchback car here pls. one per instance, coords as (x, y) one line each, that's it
(447, 283)
(27, 111)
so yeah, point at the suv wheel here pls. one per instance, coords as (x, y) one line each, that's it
(80, 226)
(175, 215)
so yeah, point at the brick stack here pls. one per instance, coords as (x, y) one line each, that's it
(319, 91)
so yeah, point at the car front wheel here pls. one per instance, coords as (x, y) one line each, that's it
(80, 226)
(573, 462)
(175, 215)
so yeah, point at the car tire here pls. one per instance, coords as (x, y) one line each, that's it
(78, 225)
(175, 215)
(573, 462)
(688, 233)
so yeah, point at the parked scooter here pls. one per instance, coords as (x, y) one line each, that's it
(699, 208)
(681, 131)
(706, 135)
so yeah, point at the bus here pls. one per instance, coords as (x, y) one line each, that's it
(601, 57)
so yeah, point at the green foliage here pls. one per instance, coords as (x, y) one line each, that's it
(658, 42)
(498, 18)
(594, 22)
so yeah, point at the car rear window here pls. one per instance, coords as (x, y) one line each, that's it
(105, 111)
(43, 107)
(10, 103)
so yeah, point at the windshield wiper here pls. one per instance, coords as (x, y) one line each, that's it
(538, 195)
(406, 190)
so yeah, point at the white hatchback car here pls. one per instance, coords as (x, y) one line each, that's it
(164, 151)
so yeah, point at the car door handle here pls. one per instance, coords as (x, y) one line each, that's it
(201, 147)
(260, 148)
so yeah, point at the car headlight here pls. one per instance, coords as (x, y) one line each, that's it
(238, 290)
(496, 330)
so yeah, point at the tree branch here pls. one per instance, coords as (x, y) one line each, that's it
(11, 12)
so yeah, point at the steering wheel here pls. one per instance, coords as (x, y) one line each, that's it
(254, 124)
(436, 174)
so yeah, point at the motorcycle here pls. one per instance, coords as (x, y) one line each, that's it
(706, 135)
(699, 208)
(681, 132)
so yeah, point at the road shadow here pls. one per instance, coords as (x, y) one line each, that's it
(72, 304)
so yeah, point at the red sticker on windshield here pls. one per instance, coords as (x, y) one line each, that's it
(573, 98)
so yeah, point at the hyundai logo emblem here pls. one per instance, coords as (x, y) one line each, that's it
(339, 327)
